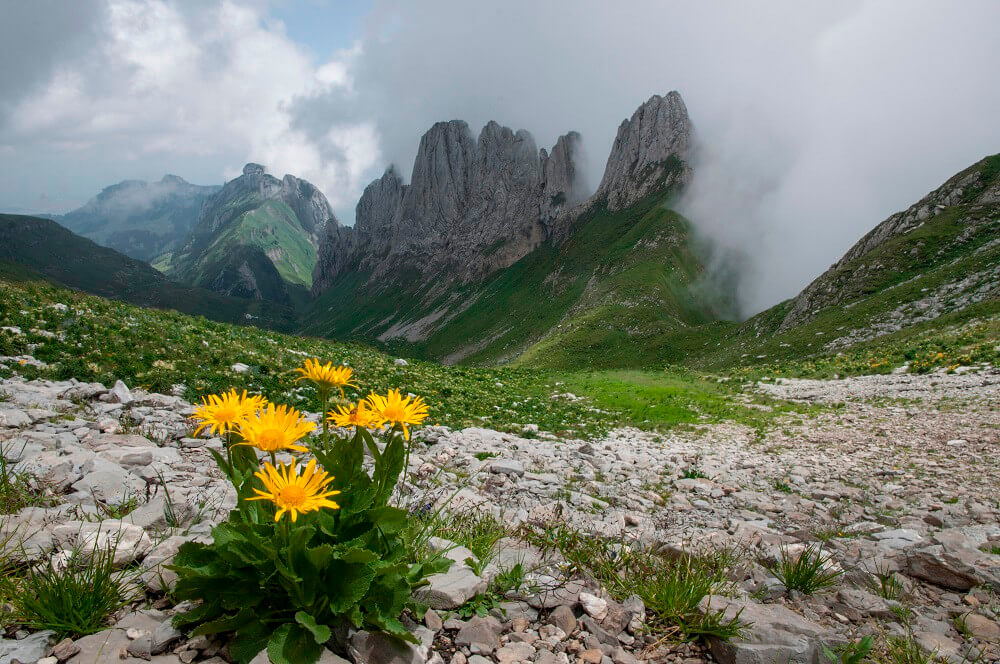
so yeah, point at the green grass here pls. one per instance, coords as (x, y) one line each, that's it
(806, 571)
(105, 340)
(72, 600)
(16, 490)
(671, 588)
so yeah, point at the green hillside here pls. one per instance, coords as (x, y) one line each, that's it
(40, 247)
(74, 335)
(272, 227)
(932, 286)
(626, 290)
(600, 299)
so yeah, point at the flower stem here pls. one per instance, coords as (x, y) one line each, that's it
(325, 397)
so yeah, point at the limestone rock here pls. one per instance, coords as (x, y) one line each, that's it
(129, 542)
(776, 634)
(650, 151)
(29, 649)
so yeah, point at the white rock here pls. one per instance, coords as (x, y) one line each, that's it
(595, 607)
(120, 393)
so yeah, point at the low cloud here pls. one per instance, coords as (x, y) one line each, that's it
(814, 120)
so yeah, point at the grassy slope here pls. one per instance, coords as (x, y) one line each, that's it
(43, 247)
(898, 275)
(600, 300)
(102, 340)
(272, 227)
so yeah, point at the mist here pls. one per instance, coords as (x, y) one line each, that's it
(814, 121)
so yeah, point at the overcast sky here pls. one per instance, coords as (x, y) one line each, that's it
(815, 120)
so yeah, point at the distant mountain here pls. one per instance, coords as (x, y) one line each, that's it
(494, 251)
(140, 219)
(36, 247)
(255, 238)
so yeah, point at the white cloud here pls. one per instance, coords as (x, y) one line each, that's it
(214, 85)
(816, 119)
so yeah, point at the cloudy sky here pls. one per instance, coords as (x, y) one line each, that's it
(815, 120)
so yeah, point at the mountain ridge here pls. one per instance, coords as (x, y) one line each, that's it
(42, 248)
(255, 238)
(138, 218)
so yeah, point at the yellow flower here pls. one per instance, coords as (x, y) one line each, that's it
(221, 413)
(326, 376)
(275, 428)
(294, 493)
(360, 415)
(397, 409)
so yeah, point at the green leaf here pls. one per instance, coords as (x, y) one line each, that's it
(319, 556)
(320, 632)
(388, 467)
(227, 623)
(359, 556)
(249, 641)
(293, 644)
(388, 519)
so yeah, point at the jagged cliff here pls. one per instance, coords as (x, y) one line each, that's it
(256, 237)
(650, 152)
(476, 206)
(494, 245)
(473, 206)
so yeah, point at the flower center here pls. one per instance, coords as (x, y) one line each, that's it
(226, 414)
(292, 495)
(394, 413)
(271, 439)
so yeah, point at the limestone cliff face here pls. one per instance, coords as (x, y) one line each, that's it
(473, 206)
(649, 152)
(476, 205)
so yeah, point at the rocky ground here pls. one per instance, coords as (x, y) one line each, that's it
(899, 490)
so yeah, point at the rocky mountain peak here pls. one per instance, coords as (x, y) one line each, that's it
(477, 204)
(649, 152)
(252, 169)
(380, 204)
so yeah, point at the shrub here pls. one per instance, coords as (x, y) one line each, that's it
(806, 572)
(291, 564)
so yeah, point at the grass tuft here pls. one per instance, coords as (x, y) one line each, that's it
(805, 572)
(672, 588)
(74, 599)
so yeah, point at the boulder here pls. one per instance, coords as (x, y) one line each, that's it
(379, 648)
(775, 634)
(27, 650)
(957, 569)
(128, 541)
(112, 486)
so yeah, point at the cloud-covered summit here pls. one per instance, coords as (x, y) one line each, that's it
(814, 120)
